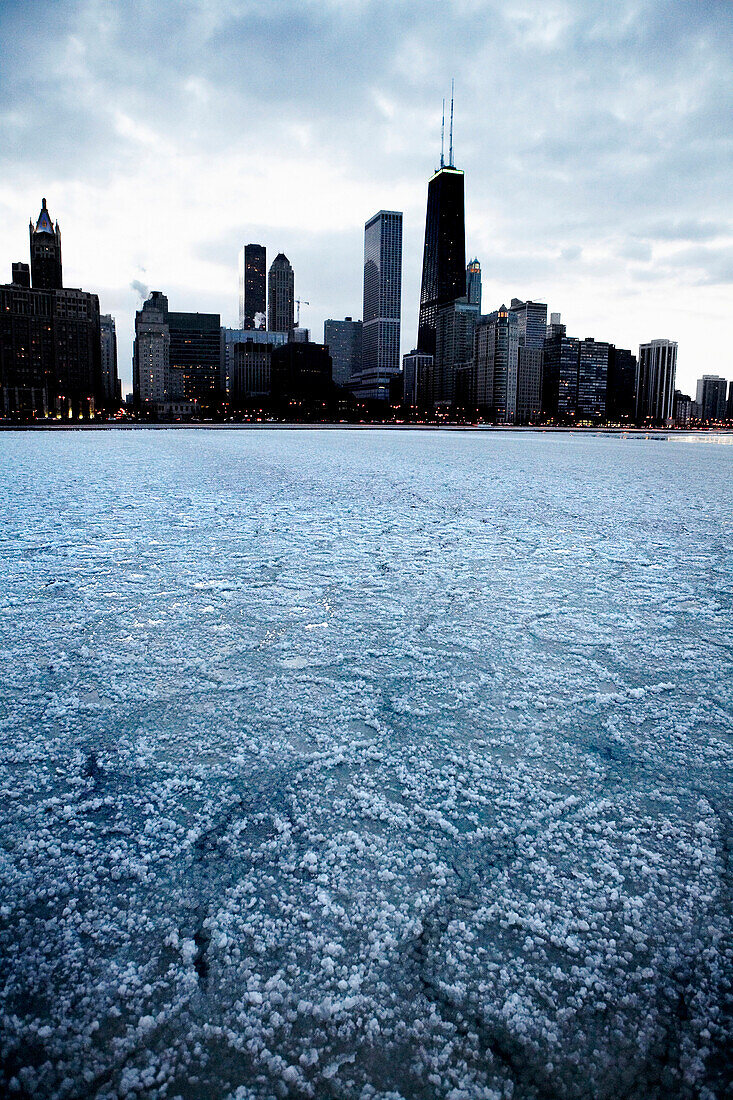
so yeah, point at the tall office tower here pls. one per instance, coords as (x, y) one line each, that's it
(454, 337)
(380, 333)
(416, 367)
(561, 361)
(592, 380)
(711, 397)
(729, 406)
(620, 396)
(343, 339)
(655, 376)
(444, 253)
(231, 338)
(252, 284)
(532, 329)
(681, 408)
(110, 379)
(281, 295)
(45, 252)
(495, 365)
(555, 327)
(151, 381)
(197, 359)
(50, 346)
(473, 283)
(301, 376)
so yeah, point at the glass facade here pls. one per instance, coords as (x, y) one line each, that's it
(343, 339)
(655, 381)
(252, 284)
(592, 380)
(382, 305)
(281, 295)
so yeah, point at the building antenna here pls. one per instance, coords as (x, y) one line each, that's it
(450, 156)
(442, 137)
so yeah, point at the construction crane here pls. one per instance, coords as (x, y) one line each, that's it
(300, 302)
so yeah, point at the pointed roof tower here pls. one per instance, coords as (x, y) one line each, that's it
(44, 223)
(45, 252)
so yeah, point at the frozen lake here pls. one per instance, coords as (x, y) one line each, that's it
(366, 765)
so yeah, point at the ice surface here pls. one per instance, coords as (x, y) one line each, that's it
(366, 765)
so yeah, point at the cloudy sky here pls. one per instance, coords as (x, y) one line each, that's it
(596, 138)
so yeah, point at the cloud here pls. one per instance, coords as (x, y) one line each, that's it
(140, 288)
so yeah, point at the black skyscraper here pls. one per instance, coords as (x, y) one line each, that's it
(444, 255)
(253, 284)
(45, 252)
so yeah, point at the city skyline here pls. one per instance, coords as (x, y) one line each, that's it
(611, 207)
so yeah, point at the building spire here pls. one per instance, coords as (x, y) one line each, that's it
(442, 137)
(450, 154)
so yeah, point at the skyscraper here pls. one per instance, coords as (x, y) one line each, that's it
(252, 284)
(560, 363)
(655, 377)
(151, 381)
(416, 367)
(281, 295)
(380, 332)
(45, 252)
(444, 253)
(532, 329)
(454, 337)
(592, 380)
(495, 382)
(196, 351)
(620, 398)
(110, 379)
(710, 397)
(343, 339)
(473, 283)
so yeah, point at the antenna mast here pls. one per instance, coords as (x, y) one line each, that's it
(442, 137)
(450, 156)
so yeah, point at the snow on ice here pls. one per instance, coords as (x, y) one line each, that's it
(365, 765)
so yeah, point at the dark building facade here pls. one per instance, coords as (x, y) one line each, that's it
(281, 295)
(444, 252)
(454, 342)
(655, 381)
(621, 394)
(592, 380)
(301, 377)
(50, 343)
(561, 361)
(344, 342)
(196, 351)
(252, 284)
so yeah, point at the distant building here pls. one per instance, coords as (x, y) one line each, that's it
(532, 329)
(555, 327)
(592, 380)
(560, 365)
(473, 283)
(50, 342)
(247, 362)
(444, 252)
(380, 334)
(454, 338)
(196, 351)
(681, 408)
(729, 407)
(416, 368)
(495, 365)
(655, 378)
(621, 393)
(301, 378)
(711, 398)
(252, 284)
(281, 295)
(151, 378)
(110, 379)
(343, 339)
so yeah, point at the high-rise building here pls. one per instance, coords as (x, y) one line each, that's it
(248, 383)
(301, 378)
(560, 364)
(151, 378)
(343, 339)
(556, 327)
(50, 344)
(729, 406)
(655, 377)
(252, 285)
(473, 283)
(281, 295)
(592, 380)
(416, 368)
(45, 252)
(110, 379)
(532, 329)
(444, 252)
(621, 396)
(196, 350)
(711, 398)
(380, 334)
(681, 408)
(495, 365)
(454, 339)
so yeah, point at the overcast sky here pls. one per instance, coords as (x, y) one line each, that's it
(596, 138)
